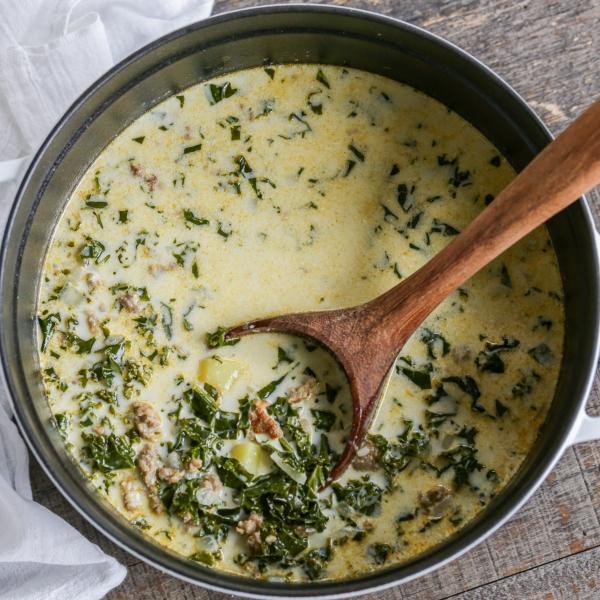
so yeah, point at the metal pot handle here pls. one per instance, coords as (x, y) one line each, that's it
(587, 428)
(10, 168)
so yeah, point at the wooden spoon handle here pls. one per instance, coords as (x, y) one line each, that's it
(568, 167)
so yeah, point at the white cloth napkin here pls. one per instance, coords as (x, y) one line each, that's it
(50, 51)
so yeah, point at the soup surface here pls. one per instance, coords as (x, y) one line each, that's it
(275, 190)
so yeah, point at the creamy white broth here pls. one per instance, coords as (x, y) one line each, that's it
(279, 190)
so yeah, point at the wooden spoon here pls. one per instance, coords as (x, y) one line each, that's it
(367, 339)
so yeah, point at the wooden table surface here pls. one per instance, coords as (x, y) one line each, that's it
(549, 51)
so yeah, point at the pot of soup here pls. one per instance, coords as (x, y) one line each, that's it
(270, 161)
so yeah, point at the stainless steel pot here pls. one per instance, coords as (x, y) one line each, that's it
(286, 34)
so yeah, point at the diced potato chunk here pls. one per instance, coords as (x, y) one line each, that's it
(218, 372)
(70, 295)
(252, 457)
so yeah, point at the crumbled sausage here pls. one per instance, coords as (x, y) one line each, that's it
(250, 529)
(305, 392)
(435, 501)
(136, 170)
(460, 353)
(194, 465)
(151, 180)
(156, 270)
(367, 457)
(132, 497)
(139, 171)
(92, 322)
(130, 302)
(172, 475)
(146, 420)
(147, 462)
(92, 280)
(169, 474)
(187, 517)
(212, 482)
(262, 422)
(99, 429)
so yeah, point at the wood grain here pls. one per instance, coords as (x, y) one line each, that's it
(548, 51)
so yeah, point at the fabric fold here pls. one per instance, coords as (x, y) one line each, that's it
(50, 52)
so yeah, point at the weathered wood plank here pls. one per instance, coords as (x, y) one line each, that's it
(573, 578)
(549, 53)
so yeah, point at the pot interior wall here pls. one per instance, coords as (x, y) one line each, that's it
(284, 35)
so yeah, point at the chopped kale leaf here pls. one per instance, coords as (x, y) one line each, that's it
(47, 328)
(93, 250)
(323, 419)
(190, 149)
(216, 93)
(322, 79)
(420, 378)
(542, 354)
(364, 496)
(489, 359)
(314, 562)
(437, 345)
(216, 339)
(268, 389)
(108, 452)
(79, 345)
(501, 409)
(379, 553)
(194, 440)
(61, 422)
(233, 474)
(469, 386)
(190, 217)
(404, 196)
(360, 155)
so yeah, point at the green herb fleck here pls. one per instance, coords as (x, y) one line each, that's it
(322, 79)
(47, 328)
(216, 93)
(360, 155)
(379, 553)
(194, 148)
(190, 217)
(542, 354)
(323, 419)
(93, 250)
(268, 389)
(216, 339)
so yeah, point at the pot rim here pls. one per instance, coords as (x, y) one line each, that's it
(247, 587)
